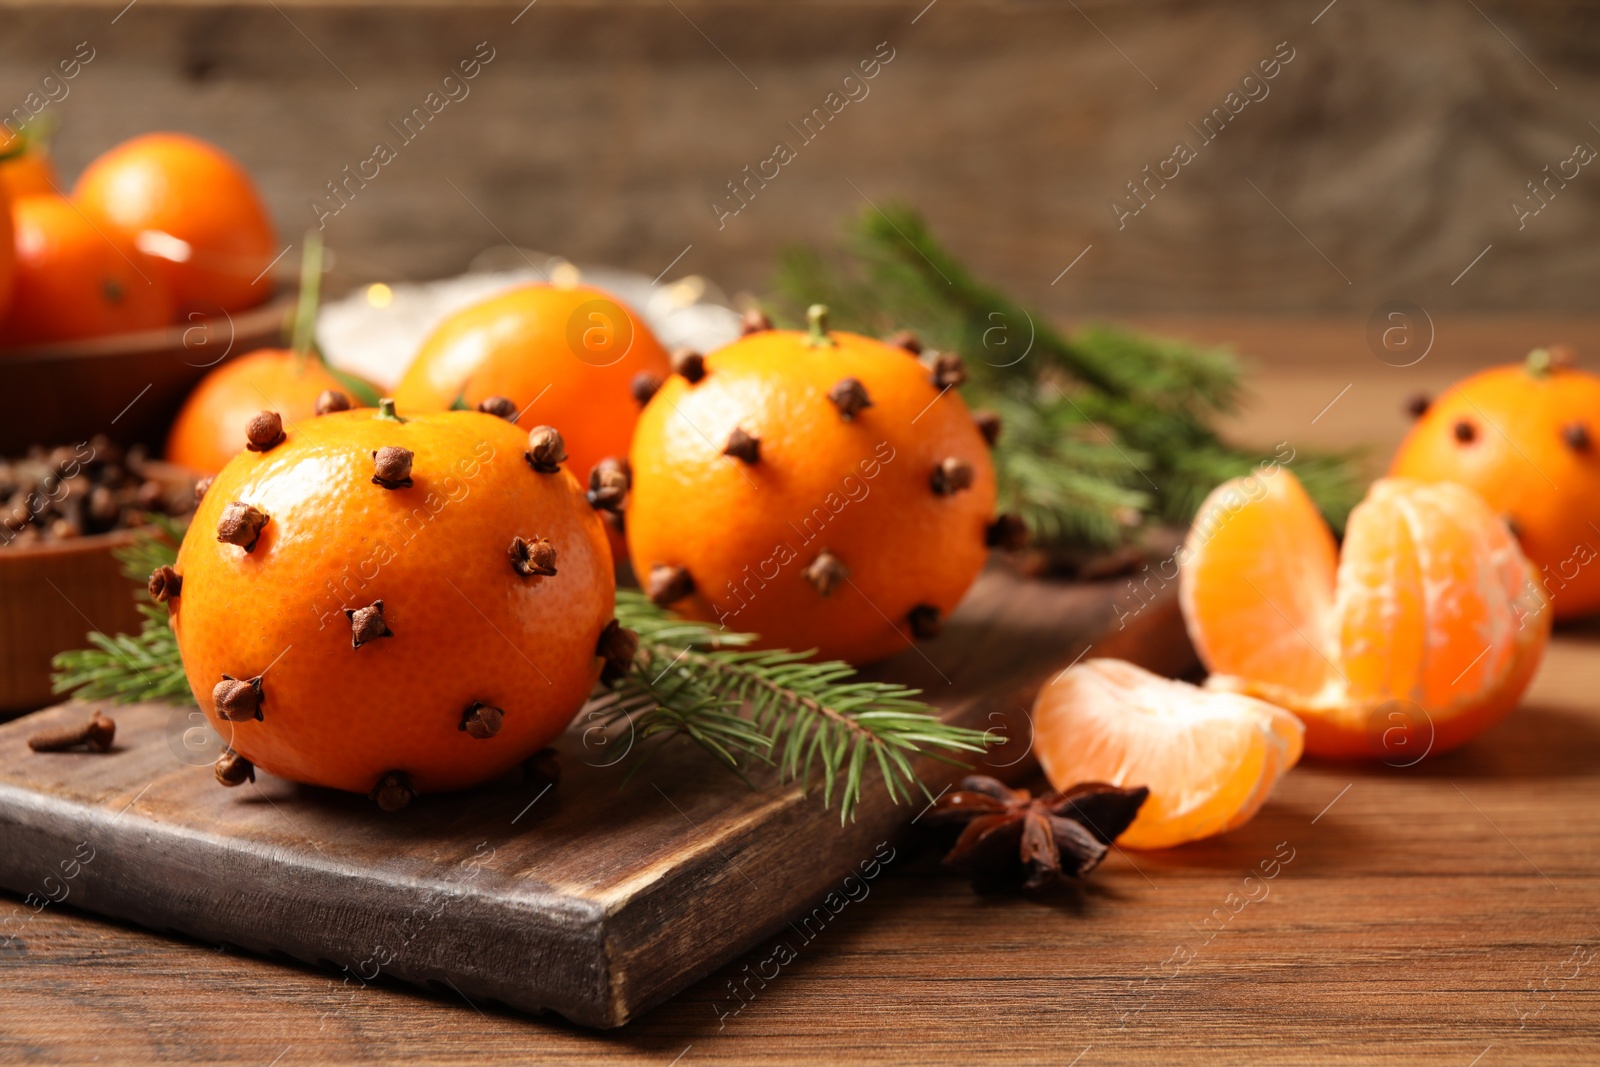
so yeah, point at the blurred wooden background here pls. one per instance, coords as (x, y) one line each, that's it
(1383, 159)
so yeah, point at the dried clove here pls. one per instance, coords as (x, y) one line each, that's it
(850, 397)
(905, 339)
(1465, 432)
(689, 365)
(481, 720)
(1576, 435)
(644, 386)
(743, 446)
(952, 475)
(393, 791)
(328, 401)
(96, 735)
(668, 585)
(241, 524)
(238, 699)
(1007, 532)
(535, 557)
(754, 321)
(233, 769)
(264, 432)
(989, 425)
(367, 624)
(391, 467)
(617, 646)
(925, 621)
(165, 583)
(948, 370)
(826, 572)
(501, 407)
(543, 767)
(546, 450)
(609, 482)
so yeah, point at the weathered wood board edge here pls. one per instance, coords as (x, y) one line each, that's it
(482, 934)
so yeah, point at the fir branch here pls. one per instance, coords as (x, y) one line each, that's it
(782, 708)
(744, 706)
(131, 668)
(1101, 426)
(126, 669)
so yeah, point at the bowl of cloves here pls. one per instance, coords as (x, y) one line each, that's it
(64, 512)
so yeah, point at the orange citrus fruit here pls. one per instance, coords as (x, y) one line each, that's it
(488, 582)
(8, 252)
(206, 433)
(568, 357)
(1527, 438)
(1209, 759)
(77, 279)
(1422, 633)
(821, 490)
(191, 206)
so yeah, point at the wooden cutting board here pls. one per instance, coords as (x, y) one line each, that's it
(591, 899)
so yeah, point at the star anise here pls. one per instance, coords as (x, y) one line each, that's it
(1012, 839)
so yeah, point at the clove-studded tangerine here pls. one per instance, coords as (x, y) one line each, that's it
(818, 488)
(384, 633)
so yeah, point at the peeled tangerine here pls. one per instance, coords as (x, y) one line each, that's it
(391, 606)
(1210, 759)
(1424, 632)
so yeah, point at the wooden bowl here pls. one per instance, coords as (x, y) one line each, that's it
(128, 386)
(53, 594)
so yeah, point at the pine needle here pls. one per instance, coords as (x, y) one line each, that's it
(778, 707)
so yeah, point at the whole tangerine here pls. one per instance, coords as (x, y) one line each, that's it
(1526, 437)
(298, 386)
(8, 252)
(193, 208)
(573, 357)
(822, 490)
(391, 606)
(75, 280)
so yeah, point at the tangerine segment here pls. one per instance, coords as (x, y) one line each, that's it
(1209, 758)
(1436, 615)
(1260, 556)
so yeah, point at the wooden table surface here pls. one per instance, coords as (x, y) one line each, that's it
(1443, 913)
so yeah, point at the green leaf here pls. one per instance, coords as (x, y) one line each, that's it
(363, 394)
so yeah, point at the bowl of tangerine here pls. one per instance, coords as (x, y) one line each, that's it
(151, 268)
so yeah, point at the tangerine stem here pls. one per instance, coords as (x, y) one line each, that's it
(817, 318)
